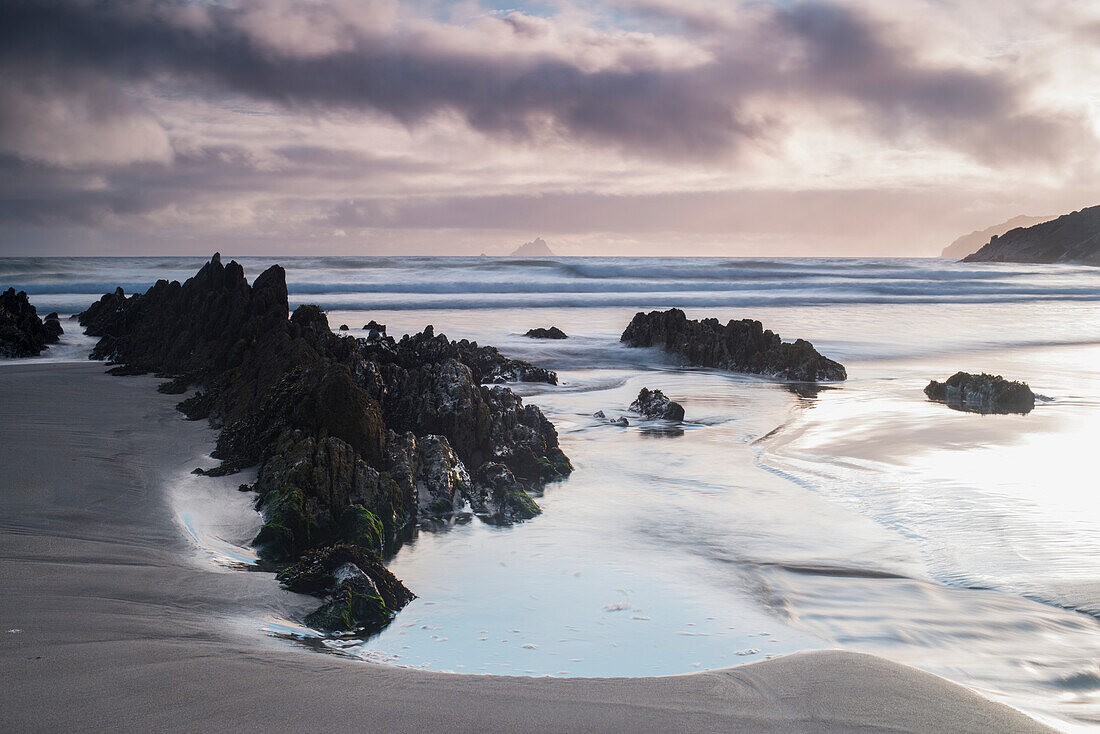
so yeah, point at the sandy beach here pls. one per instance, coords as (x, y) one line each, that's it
(108, 621)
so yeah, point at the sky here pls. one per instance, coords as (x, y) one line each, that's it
(621, 127)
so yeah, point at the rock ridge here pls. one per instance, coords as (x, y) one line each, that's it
(359, 441)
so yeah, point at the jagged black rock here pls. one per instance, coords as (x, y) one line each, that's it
(357, 440)
(737, 346)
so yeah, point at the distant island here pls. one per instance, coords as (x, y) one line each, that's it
(970, 243)
(535, 248)
(1071, 238)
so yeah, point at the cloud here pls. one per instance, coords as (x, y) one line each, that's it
(254, 117)
(520, 76)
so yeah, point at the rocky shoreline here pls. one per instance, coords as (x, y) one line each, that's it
(358, 440)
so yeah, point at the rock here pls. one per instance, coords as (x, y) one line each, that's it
(485, 363)
(375, 330)
(1071, 238)
(535, 248)
(982, 393)
(497, 497)
(359, 592)
(620, 421)
(317, 490)
(552, 333)
(52, 323)
(22, 333)
(321, 398)
(355, 439)
(738, 346)
(432, 471)
(654, 404)
(343, 327)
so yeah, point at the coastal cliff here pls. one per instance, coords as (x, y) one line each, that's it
(970, 243)
(357, 440)
(1072, 238)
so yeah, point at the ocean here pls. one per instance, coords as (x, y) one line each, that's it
(778, 517)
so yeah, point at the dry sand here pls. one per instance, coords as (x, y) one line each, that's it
(120, 628)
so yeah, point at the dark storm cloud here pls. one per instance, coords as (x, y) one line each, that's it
(809, 52)
(131, 113)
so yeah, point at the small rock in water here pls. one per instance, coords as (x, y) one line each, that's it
(982, 393)
(654, 404)
(343, 327)
(621, 421)
(552, 333)
(377, 330)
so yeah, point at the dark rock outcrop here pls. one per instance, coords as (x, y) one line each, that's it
(655, 404)
(359, 592)
(357, 440)
(22, 333)
(486, 364)
(497, 497)
(1071, 238)
(552, 333)
(982, 393)
(738, 346)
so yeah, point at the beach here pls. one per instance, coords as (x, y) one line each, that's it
(119, 626)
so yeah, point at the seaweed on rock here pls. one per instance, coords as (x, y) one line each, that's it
(357, 440)
(982, 394)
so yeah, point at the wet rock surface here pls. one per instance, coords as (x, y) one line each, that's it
(621, 421)
(737, 346)
(982, 393)
(552, 333)
(358, 440)
(22, 332)
(655, 404)
(359, 592)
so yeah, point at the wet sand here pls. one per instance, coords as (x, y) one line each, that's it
(108, 622)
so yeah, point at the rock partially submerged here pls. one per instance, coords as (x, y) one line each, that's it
(357, 440)
(738, 346)
(359, 592)
(621, 421)
(552, 333)
(22, 333)
(655, 404)
(982, 393)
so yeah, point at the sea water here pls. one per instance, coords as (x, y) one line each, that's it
(777, 517)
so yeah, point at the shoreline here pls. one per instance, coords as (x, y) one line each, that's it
(119, 627)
